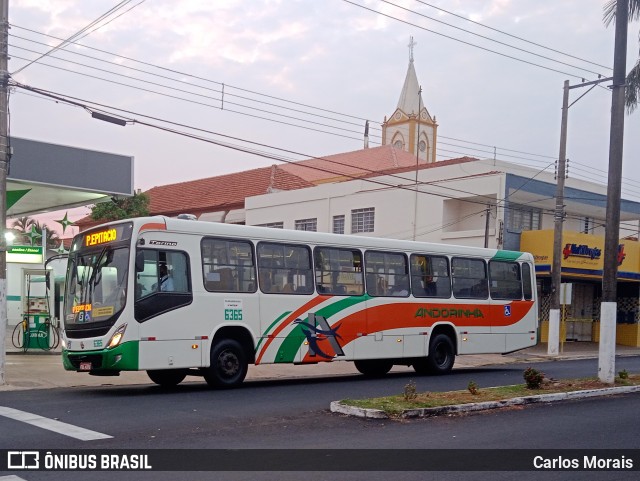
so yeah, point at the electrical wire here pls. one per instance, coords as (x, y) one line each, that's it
(511, 35)
(373, 124)
(463, 41)
(76, 35)
(489, 38)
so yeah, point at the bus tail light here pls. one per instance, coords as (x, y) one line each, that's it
(117, 337)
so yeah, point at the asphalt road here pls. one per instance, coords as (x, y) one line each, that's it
(294, 414)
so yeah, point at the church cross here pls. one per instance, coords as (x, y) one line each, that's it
(411, 45)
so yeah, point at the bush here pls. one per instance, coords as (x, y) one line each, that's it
(533, 378)
(473, 388)
(410, 392)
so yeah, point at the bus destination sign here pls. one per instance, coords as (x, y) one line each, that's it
(101, 237)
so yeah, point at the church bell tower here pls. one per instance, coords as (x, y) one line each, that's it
(411, 127)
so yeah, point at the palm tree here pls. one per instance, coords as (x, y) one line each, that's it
(24, 225)
(632, 92)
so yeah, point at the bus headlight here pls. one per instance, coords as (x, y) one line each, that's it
(117, 337)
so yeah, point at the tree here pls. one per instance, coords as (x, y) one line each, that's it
(632, 92)
(126, 208)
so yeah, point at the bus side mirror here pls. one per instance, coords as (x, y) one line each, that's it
(139, 261)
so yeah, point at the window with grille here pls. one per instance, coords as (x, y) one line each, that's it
(273, 225)
(362, 220)
(338, 224)
(523, 218)
(307, 224)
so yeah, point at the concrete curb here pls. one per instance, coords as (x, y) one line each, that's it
(340, 408)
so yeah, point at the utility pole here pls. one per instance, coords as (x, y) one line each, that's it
(486, 226)
(561, 174)
(608, 307)
(4, 146)
(556, 269)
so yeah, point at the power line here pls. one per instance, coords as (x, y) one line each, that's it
(85, 105)
(373, 124)
(463, 41)
(254, 151)
(489, 38)
(511, 35)
(76, 35)
(467, 152)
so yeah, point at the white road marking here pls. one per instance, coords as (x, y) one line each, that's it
(52, 425)
(11, 478)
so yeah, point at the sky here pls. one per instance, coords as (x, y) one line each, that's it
(299, 78)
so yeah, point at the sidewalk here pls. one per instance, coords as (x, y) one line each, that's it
(36, 369)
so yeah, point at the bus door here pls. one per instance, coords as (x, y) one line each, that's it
(512, 294)
(163, 292)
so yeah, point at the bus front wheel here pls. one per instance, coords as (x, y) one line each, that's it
(373, 367)
(228, 364)
(167, 377)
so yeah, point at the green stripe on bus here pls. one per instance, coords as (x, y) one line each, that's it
(13, 298)
(264, 334)
(506, 256)
(296, 337)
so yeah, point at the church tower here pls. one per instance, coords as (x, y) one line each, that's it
(411, 127)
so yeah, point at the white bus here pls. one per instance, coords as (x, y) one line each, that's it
(241, 295)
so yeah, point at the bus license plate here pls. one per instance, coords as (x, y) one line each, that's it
(85, 366)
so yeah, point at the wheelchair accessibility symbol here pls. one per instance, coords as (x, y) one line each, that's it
(507, 311)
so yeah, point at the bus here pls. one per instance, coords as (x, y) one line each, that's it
(242, 295)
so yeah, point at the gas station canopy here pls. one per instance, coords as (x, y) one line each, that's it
(47, 177)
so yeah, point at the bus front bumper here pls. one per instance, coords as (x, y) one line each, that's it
(104, 361)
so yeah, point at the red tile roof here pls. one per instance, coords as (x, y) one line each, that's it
(359, 163)
(220, 192)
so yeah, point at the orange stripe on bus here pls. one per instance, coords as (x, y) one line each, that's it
(397, 316)
(153, 226)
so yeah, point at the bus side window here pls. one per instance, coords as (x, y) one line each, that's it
(228, 265)
(469, 278)
(284, 268)
(387, 274)
(338, 271)
(505, 280)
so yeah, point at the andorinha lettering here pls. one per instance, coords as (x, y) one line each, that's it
(444, 313)
(101, 237)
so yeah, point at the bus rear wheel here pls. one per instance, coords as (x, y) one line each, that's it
(167, 377)
(228, 365)
(373, 367)
(441, 355)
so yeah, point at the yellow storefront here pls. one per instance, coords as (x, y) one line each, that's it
(582, 265)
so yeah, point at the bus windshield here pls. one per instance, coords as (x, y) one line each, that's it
(96, 286)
